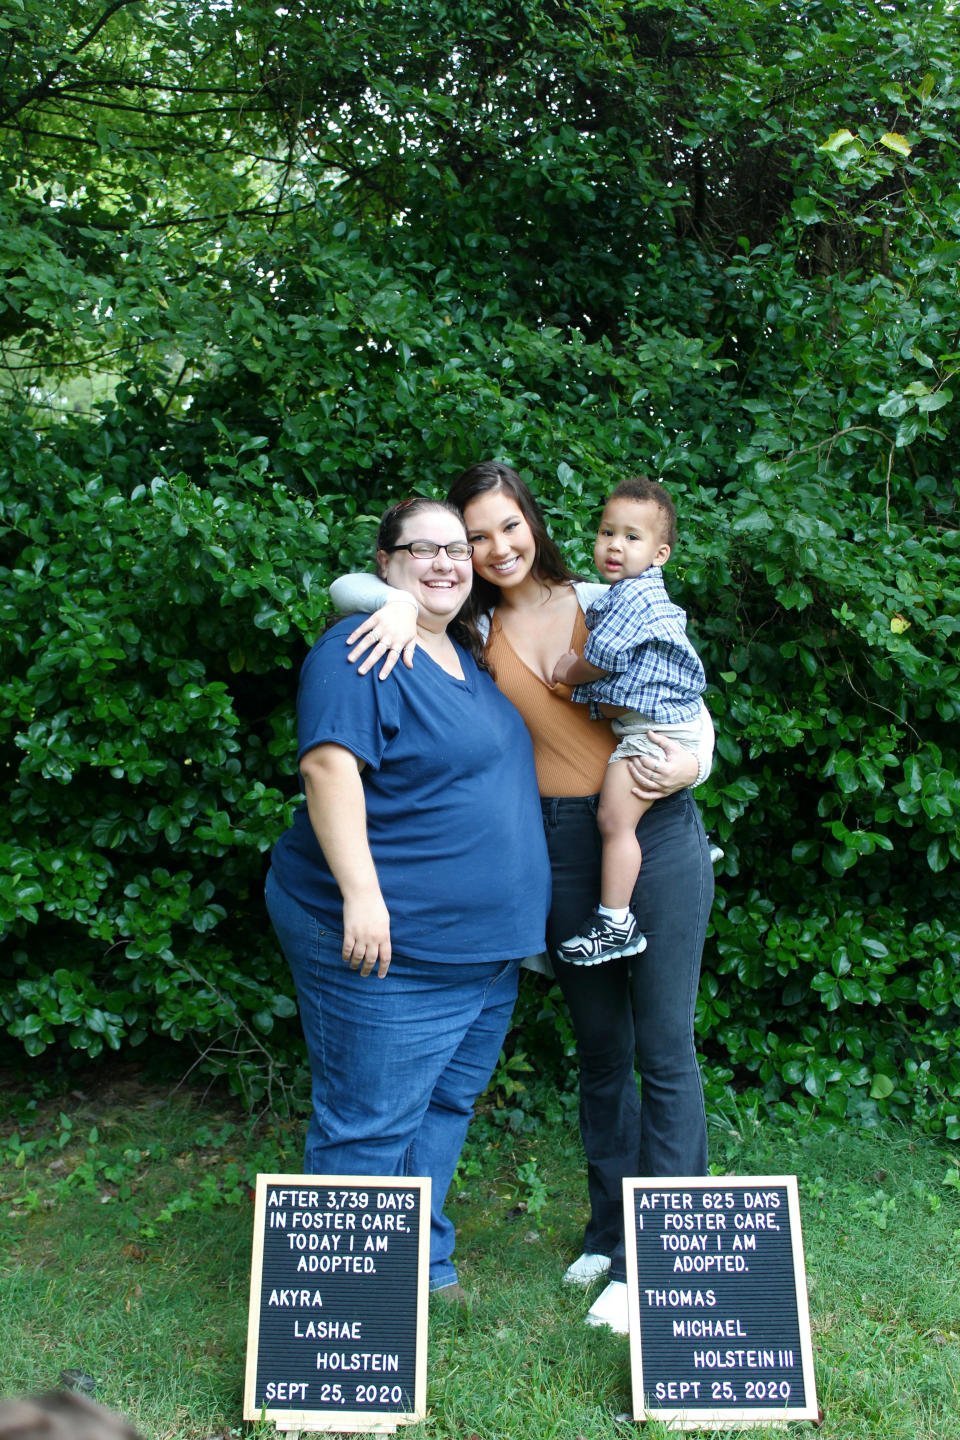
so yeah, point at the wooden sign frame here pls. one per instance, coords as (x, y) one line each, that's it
(691, 1243)
(324, 1218)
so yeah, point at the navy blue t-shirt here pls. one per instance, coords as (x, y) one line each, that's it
(453, 813)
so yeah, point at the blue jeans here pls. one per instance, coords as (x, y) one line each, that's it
(397, 1063)
(638, 1008)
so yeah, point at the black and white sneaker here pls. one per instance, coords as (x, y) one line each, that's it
(602, 939)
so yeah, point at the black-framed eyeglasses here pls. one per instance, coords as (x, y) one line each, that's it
(427, 549)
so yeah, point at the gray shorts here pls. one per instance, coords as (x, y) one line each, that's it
(632, 731)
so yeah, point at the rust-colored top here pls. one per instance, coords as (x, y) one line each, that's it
(571, 751)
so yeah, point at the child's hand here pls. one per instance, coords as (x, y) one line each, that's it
(563, 668)
(387, 634)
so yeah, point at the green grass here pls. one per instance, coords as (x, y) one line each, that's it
(125, 1229)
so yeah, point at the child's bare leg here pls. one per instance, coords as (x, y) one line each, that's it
(612, 932)
(618, 816)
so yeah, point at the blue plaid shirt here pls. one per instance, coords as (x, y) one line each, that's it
(640, 637)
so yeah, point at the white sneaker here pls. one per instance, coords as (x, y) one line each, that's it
(586, 1269)
(610, 1308)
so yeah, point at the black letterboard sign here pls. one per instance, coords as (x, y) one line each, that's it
(338, 1302)
(719, 1326)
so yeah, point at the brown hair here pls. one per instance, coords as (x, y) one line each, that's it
(487, 478)
(640, 487)
(393, 520)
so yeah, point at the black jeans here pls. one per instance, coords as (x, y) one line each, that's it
(641, 1007)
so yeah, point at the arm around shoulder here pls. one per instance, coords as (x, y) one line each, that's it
(362, 594)
(390, 629)
(588, 592)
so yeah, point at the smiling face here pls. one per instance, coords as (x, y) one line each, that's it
(439, 585)
(504, 548)
(630, 539)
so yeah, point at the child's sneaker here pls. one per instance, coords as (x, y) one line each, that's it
(602, 939)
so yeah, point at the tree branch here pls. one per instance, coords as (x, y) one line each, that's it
(107, 15)
(45, 86)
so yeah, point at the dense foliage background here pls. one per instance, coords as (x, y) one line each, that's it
(270, 266)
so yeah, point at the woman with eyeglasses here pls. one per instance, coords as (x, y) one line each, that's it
(387, 892)
(636, 1009)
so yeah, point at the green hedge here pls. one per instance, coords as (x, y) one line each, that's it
(150, 645)
(715, 243)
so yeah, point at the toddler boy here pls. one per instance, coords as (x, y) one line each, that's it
(640, 669)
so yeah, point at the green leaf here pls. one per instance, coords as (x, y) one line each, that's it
(894, 406)
(807, 211)
(838, 859)
(895, 142)
(927, 403)
(837, 140)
